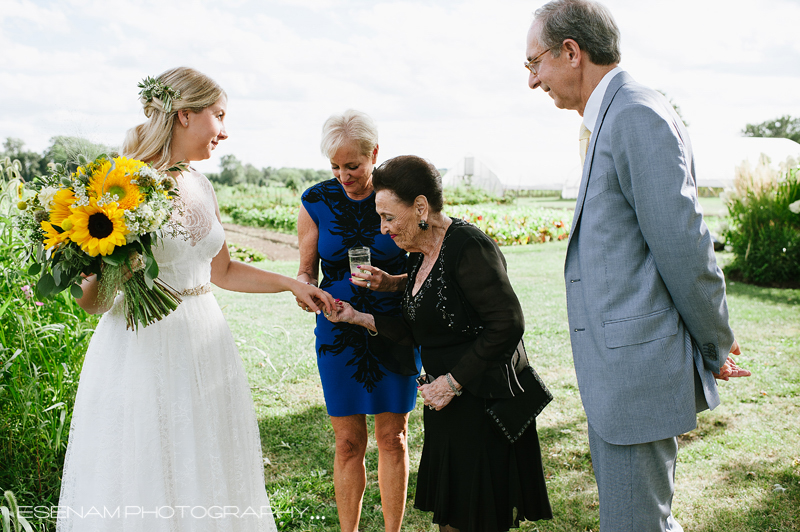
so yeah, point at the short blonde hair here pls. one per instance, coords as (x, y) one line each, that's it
(351, 126)
(152, 140)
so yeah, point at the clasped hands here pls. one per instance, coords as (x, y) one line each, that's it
(437, 394)
(335, 310)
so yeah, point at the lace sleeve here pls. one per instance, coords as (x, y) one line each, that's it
(197, 205)
(208, 191)
(484, 284)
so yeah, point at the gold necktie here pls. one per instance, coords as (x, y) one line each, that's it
(584, 137)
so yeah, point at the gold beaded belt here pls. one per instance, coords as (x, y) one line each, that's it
(196, 291)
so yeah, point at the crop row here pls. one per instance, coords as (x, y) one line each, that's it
(515, 226)
(508, 226)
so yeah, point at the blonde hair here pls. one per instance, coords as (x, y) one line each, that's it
(152, 140)
(351, 126)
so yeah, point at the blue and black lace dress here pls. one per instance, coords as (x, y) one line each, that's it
(353, 379)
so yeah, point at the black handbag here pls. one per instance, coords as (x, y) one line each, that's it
(513, 415)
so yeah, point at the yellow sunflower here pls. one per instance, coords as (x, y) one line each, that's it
(52, 237)
(62, 202)
(98, 230)
(117, 182)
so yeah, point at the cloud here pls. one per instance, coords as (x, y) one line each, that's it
(442, 79)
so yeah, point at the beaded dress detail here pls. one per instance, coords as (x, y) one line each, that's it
(447, 300)
(163, 435)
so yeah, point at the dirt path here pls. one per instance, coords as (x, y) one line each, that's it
(276, 246)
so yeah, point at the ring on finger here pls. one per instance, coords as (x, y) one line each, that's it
(369, 284)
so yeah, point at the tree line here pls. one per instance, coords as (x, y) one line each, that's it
(64, 149)
(783, 127)
(233, 172)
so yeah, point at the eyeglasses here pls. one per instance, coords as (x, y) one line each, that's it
(533, 64)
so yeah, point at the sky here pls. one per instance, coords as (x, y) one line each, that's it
(442, 79)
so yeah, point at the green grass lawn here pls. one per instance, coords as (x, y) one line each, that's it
(728, 468)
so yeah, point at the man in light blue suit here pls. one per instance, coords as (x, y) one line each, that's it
(646, 301)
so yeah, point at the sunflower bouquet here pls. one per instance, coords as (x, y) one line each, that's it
(102, 219)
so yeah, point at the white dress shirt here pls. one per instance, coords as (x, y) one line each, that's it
(592, 108)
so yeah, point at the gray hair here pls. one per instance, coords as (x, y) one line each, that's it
(350, 127)
(590, 24)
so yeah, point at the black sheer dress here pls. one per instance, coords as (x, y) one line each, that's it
(468, 322)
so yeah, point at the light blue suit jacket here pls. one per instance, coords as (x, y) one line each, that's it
(646, 300)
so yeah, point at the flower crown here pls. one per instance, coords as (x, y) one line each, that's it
(155, 88)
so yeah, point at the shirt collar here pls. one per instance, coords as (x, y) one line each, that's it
(592, 108)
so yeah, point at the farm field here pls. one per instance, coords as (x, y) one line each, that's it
(521, 221)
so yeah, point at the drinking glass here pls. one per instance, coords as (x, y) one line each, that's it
(359, 256)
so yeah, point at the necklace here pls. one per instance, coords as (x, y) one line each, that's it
(429, 260)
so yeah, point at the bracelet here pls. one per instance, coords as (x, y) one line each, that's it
(452, 386)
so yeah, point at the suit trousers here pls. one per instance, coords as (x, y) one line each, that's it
(635, 484)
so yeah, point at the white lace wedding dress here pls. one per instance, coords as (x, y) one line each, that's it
(163, 435)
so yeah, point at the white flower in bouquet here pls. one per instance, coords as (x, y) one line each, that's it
(46, 197)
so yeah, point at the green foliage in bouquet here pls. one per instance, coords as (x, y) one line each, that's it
(764, 225)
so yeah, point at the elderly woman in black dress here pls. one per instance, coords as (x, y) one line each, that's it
(459, 306)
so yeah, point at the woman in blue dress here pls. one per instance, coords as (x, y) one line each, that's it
(335, 216)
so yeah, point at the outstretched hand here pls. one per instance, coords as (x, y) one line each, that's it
(730, 369)
(343, 312)
(313, 299)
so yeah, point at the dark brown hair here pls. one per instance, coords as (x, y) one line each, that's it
(409, 176)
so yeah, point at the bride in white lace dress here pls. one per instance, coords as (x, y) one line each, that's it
(163, 435)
